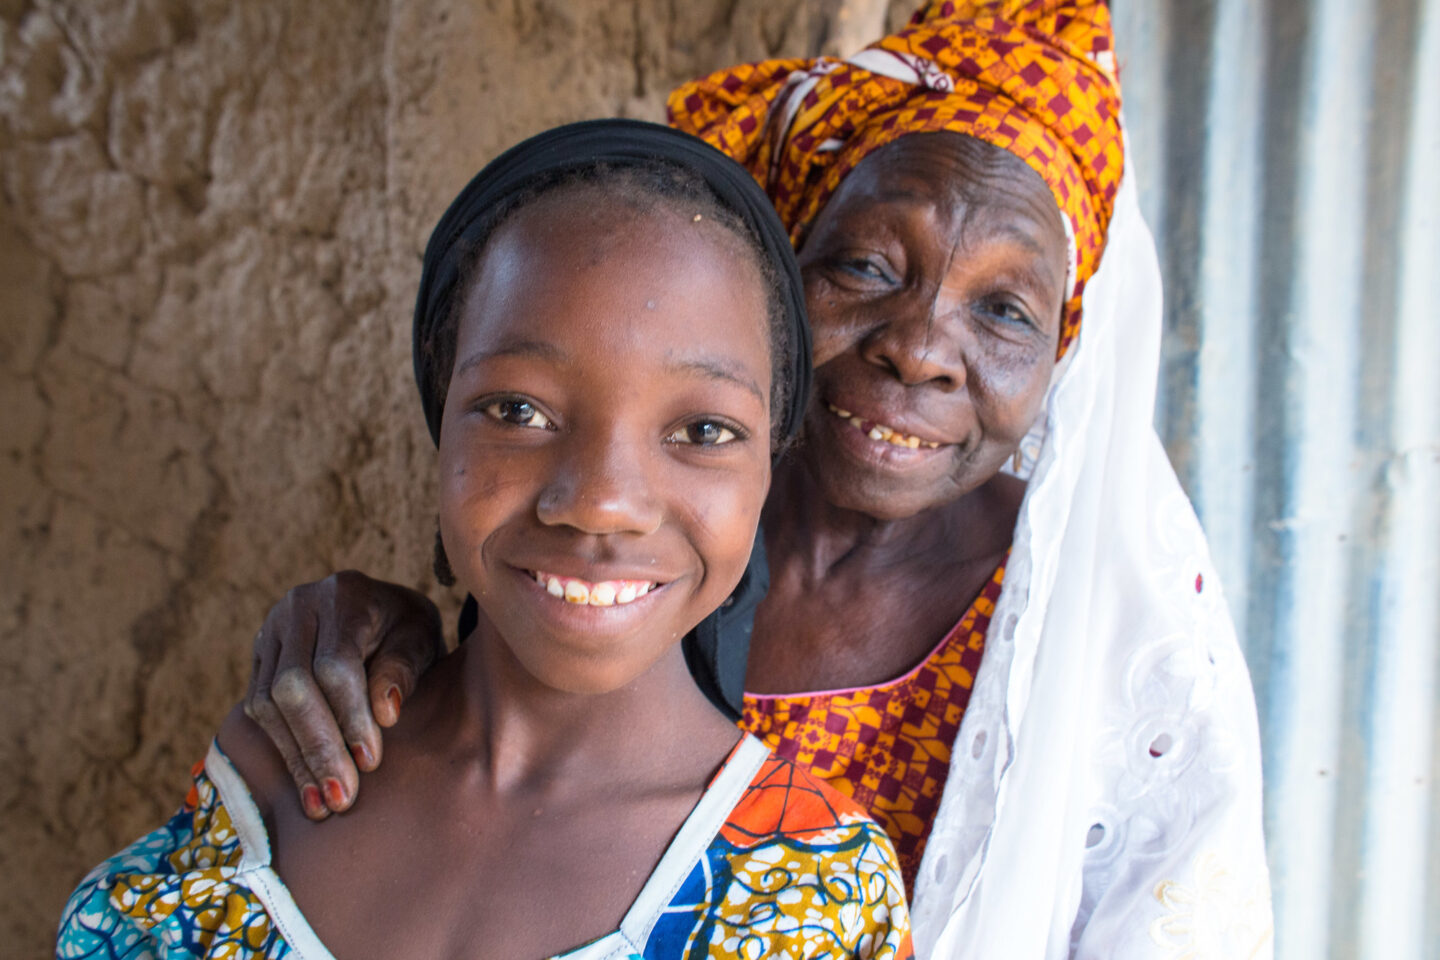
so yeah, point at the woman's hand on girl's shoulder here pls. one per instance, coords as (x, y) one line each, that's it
(309, 690)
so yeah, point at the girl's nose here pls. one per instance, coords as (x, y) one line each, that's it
(603, 485)
(917, 346)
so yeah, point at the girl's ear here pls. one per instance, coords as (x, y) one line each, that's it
(443, 573)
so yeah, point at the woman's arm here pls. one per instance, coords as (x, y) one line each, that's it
(309, 689)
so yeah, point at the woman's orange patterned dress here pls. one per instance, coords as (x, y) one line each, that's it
(887, 746)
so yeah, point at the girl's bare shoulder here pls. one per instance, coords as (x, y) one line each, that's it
(256, 760)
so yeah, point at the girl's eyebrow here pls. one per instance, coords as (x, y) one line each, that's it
(514, 348)
(710, 368)
(715, 370)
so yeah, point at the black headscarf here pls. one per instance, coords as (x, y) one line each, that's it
(716, 650)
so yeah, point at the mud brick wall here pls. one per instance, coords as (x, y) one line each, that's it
(211, 220)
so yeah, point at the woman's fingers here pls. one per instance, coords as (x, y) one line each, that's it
(410, 647)
(340, 674)
(311, 797)
(309, 691)
(306, 712)
(261, 708)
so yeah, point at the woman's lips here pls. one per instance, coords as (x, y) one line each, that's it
(883, 432)
(603, 593)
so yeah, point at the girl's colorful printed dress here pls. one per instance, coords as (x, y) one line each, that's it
(770, 863)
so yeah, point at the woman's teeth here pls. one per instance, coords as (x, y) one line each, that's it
(878, 431)
(606, 593)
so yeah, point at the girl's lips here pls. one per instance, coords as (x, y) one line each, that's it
(603, 593)
(883, 432)
(584, 624)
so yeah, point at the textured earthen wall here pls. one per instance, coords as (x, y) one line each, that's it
(210, 229)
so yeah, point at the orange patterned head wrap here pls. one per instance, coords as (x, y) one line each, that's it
(1034, 77)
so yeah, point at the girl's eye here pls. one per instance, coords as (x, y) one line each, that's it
(704, 433)
(520, 413)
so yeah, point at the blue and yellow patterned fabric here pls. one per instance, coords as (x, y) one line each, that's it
(176, 892)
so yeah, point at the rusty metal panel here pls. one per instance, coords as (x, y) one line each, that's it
(1288, 155)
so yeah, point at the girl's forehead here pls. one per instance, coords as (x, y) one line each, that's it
(616, 271)
(590, 223)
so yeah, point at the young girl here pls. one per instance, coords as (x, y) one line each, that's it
(610, 347)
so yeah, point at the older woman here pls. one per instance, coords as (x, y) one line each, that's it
(992, 617)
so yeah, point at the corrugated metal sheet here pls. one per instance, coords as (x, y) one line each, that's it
(1289, 159)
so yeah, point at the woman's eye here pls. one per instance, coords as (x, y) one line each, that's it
(863, 268)
(520, 413)
(705, 433)
(1007, 312)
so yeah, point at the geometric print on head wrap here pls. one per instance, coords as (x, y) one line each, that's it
(1036, 78)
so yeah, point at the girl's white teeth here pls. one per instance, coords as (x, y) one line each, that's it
(606, 593)
(878, 431)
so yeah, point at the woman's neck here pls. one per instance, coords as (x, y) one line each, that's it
(855, 600)
(804, 533)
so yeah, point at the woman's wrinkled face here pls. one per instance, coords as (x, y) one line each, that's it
(605, 444)
(935, 279)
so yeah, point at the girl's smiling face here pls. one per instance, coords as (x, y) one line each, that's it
(606, 433)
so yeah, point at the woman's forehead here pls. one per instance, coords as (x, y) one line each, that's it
(949, 170)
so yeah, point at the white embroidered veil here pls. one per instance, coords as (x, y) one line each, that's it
(1104, 790)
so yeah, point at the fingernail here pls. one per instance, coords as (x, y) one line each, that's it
(364, 759)
(392, 697)
(310, 799)
(334, 793)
